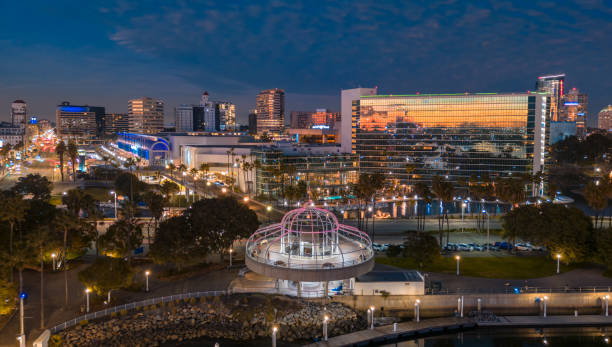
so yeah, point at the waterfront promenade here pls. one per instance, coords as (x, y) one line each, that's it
(407, 330)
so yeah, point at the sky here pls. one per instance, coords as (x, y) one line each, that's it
(105, 52)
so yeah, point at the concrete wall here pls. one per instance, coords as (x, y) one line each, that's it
(500, 304)
(393, 288)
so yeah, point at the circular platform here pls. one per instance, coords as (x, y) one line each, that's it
(309, 245)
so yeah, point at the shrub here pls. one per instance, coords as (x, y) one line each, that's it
(113, 314)
(192, 301)
(393, 251)
(153, 307)
(203, 300)
(384, 293)
(123, 312)
(145, 308)
(55, 341)
(84, 322)
(186, 300)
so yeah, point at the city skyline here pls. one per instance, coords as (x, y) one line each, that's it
(311, 53)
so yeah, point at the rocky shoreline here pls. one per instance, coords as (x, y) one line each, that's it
(235, 317)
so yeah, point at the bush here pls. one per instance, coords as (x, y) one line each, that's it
(393, 251)
(123, 313)
(113, 315)
(192, 301)
(153, 307)
(55, 340)
(84, 322)
(203, 300)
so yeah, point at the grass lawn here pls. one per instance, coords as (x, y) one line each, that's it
(510, 267)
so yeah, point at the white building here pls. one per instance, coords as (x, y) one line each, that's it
(183, 118)
(346, 113)
(389, 283)
(19, 113)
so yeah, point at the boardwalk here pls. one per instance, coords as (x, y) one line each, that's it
(385, 334)
(405, 330)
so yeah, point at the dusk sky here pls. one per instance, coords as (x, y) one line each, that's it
(106, 52)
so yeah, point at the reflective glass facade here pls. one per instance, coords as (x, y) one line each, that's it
(412, 138)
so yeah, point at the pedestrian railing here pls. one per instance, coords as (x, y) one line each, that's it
(131, 306)
(517, 290)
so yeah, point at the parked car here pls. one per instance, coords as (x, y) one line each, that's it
(476, 247)
(503, 245)
(522, 247)
(464, 247)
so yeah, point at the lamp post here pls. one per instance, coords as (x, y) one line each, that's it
(274, 331)
(230, 253)
(607, 297)
(458, 258)
(325, 319)
(545, 302)
(115, 194)
(268, 209)
(21, 337)
(462, 214)
(147, 273)
(558, 261)
(488, 229)
(53, 255)
(87, 291)
(417, 310)
(372, 313)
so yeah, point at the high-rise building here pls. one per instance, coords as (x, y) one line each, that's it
(211, 121)
(346, 112)
(413, 138)
(183, 118)
(604, 118)
(553, 85)
(19, 113)
(270, 110)
(575, 109)
(252, 122)
(115, 123)
(225, 112)
(319, 118)
(146, 115)
(77, 123)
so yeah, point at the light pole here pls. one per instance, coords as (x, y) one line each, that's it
(21, 338)
(488, 229)
(230, 253)
(325, 319)
(268, 209)
(372, 313)
(53, 255)
(185, 186)
(545, 302)
(274, 331)
(147, 273)
(607, 297)
(558, 261)
(462, 214)
(458, 258)
(115, 194)
(417, 310)
(87, 291)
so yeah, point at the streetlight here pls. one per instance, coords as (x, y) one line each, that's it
(458, 258)
(325, 319)
(545, 301)
(230, 253)
(245, 199)
(463, 205)
(268, 209)
(558, 261)
(417, 310)
(53, 257)
(147, 273)
(21, 338)
(112, 192)
(223, 190)
(87, 291)
(488, 228)
(274, 331)
(607, 297)
(372, 313)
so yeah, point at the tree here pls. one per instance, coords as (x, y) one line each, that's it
(171, 167)
(604, 247)
(60, 149)
(42, 239)
(34, 184)
(155, 202)
(127, 184)
(73, 152)
(65, 221)
(121, 239)
(443, 190)
(422, 191)
(24, 255)
(596, 196)
(522, 222)
(12, 210)
(221, 221)
(178, 243)
(7, 297)
(107, 274)
(169, 188)
(421, 247)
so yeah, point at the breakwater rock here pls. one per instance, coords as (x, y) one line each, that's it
(237, 317)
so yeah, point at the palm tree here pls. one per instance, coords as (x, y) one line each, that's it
(42, 239)
(444, 191)
(12, 210)
(65, 221)
(60, 149)
(155, 203)
(24, 254)
(73, 153)
(596, 195)
(171, 167)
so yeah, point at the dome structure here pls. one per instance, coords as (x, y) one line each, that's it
(309, 244)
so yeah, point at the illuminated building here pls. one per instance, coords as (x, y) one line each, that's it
(225, 113)
(146, 115)
(346, 109)
(413, 138)
(319, 127)
(554, 86)
(154, 151)
(270, 110)
(183, 118)
(19, 113)
(115, 123)
(208, 116)
(78, 123)
(575, 109)
(604, 118)
(10, 134)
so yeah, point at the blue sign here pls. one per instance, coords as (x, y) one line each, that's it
(73, 109)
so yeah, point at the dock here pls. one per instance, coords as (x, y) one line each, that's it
(385, 334)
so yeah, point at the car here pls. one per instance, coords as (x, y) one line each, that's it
(450, 247)
(476, 247)
(522, 247)
(464, 247)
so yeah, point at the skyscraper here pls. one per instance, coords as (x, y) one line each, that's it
(183, 118)
(270, 110)
(146, 115)
(346, 114)
(78, 123)
(553, 85)
(226, 113)
(116, 123)
(604, 118)
(211, 122)
(19, 113)
(575, 109)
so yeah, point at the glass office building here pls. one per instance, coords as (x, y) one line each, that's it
(413, 138)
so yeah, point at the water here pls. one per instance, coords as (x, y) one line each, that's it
(511, 337)
(206, 342)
